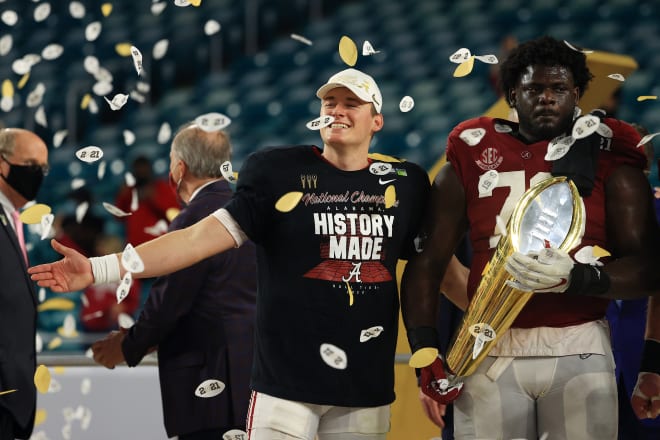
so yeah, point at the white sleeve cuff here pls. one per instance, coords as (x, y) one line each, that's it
(231, 225)
(105, 269)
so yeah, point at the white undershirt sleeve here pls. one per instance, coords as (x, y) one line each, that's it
(231, 225)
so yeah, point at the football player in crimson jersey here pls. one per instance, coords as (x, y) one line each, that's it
(552, 372)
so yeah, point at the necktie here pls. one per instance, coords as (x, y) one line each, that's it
(18, 224)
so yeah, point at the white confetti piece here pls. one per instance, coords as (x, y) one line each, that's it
(558, 147)
(41, 12)
(461, 55)
(157, 8)
(137, 59)
(502, 128)
(576, 49)
(160, 48)
(368, 49)
(93, 30)
(143, 87)
(320, 122)
(85, 386)
(334, 356)
(135, 96)
(6, 43)
(235, 434)
(102, 88)
(472, 136)
(91, 64)
(164, 133)
(129, 137)
(488, 59)
(372, 332)
(36, 96)
(118, 101)
(46, 225)
(586, 256)
(42, 294)
(212, 121)
(125, 320)
(380, 168)
(68, 329)
(40, 116)
(6, 103)
(58, 137)
(211, 27)
(302, 39)
(124, 287)
(9, 18)
(584, 126)
(605, 131)
(112, 209)
(406, 104)
(20, 66)
(129, 178)
(646, 139)
(54, 387)
(157, 229)
(134, 200)
(38, 343)
(93, 107)
(81, 210)
(100, 172)
(77, 183)
(227, 171)
(76, 9)
(209, 388)
(52, 51)
(89, 154)
(488, 181)
(181, 3)
(131, 260)
(616, 76)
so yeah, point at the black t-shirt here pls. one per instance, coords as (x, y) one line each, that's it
(327, 272)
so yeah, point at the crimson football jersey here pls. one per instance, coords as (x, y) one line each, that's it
(482, 144)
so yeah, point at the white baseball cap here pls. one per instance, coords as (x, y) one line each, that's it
(357, 82)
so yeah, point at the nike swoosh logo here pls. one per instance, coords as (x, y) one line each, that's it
(385, 182)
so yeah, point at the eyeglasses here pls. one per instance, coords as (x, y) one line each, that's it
(44, 168)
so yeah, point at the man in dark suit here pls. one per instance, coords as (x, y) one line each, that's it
(201, 318)
(23, 164)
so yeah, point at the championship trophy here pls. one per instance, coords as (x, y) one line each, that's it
(549, 214)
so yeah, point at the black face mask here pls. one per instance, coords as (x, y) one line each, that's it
(25, 179)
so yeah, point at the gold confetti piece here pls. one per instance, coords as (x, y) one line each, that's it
(42, 379)
(486, 269)
(67, 333)
(7, 392)
(123, 49)
(106, 9)
(390, 196)
(40, 416)
(7, 89)
(56, 304)
(54, 343)
(171, 213)
(34, 213)
(646, 97)
(600, 252)
(23, 80)
(196, 3)
(288, 201)
(59, 369)
(423, 357)
(350, 294)
(464, 68)
(348, 51)
(84, 103)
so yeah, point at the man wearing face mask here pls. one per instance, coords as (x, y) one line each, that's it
(23, 165)
(201, 318)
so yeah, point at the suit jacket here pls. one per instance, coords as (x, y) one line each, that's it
(18, 320)
(202, 319)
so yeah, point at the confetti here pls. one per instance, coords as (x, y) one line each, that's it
(234, 434)
(84, 102)
(129, 178)
(591, 255)
(488, 181)
(464, 68)
(380, 168)
(348, 51)
(288, 201)
(46, 225)
(372, 332)
(181, 3)
(81, 210)
(558, 147)
(211, 27)
(124, 287)
(605, 131)
(38, 342)
(41, 12)
(228, 172)
(42, 379)
(92, 31)
(106, 9)
(23, 80)
(171, 213)
(585, 126)
(160, 48)
(89, 154)
(33, 214)
(407, 103)
(123, 49)
(102, 88)
(91, 64)
(76, 9)
(35, 96)
(159, 228)
(616, 76)
(100, 172)
(460, 56)
(134, 200)
(320, 122)
(85, 386)
(129, 137)
(209, 388)
(68, 329)
(472, 136)
(195, 3)
(63, 304)
(212, 121)
(368, 49)
(130, 259)
(9, 18)
(164, 133)
(576, 49)
(40, 116)
(40, 417)
(334, 356)
(6, 43)
(93, 107)
(488, 59)
(112, 209)
(135, 96)
(125, 320)
(301, 39)
(118, 101)
(423, 357)
(646, 139)
(646, 97)
(137, 59)
(157, 8)
(349, 290)
(390, 196)
(20, 66)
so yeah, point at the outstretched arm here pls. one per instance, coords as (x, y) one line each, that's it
(645, 400)
(165, 254)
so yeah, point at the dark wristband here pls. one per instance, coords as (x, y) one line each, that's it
(588, 280)
(651, 357)
(421, 337)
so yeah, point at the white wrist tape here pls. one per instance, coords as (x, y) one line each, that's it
(105, 269)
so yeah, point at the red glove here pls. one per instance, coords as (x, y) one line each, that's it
(645, 400)
(435, 384)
